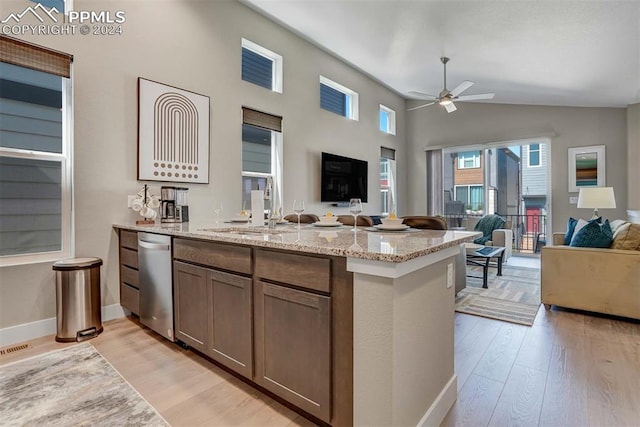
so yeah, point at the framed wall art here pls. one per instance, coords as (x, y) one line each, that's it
(586, 167)
(173, 134)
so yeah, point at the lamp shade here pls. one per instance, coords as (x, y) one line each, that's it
(597, 197)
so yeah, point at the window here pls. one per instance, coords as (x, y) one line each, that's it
(261, 66)
(534, 155)
(388, 181)
(35, 154)
(261, 154)
(471, 195)
(387, 120)
(469, 160)
(338, 99)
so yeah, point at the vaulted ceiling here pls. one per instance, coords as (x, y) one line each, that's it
(571, 53)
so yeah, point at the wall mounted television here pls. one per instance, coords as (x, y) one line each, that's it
(343, 178)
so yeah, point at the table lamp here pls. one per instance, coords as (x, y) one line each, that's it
(596, 197)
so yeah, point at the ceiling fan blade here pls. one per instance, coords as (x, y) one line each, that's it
(450, 107)
(474, 97)
(421, 106)
(461, 88)
(421, 95)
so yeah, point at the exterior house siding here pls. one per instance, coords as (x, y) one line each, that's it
(534, 178)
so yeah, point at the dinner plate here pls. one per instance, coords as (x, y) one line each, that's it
(384, 227)
(240, 219)
(327, 224)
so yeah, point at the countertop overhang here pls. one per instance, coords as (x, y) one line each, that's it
(385, 246)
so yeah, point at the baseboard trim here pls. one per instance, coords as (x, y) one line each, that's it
(42, 328)
(441, 406)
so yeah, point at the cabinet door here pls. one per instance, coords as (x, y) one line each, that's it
(190, 303)
(293, 346)
(230, 321)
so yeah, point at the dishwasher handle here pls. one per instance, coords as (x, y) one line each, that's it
(156, 246)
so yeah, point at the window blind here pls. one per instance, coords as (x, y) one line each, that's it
(387, 153)
(257, 69)
(262, 120)
(333, 100)
(28, 55)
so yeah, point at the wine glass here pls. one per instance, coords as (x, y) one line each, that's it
(298, 208)
(355, 207)
(355, 247)
(218, 208)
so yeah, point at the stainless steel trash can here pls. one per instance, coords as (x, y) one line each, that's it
(78, 308)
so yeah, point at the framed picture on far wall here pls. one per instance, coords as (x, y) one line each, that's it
(586, 167)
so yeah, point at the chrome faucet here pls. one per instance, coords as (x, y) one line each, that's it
(272, 214)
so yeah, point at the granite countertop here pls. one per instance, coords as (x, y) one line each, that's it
(388, 246)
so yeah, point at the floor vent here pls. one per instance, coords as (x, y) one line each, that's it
(9, 350)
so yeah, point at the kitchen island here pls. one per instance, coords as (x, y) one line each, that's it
(352, 328)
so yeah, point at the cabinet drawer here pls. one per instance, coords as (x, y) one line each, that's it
(129, 276)
(129, 239)
(130, 298)
(129, 257)
(224, 256)
(300, 270)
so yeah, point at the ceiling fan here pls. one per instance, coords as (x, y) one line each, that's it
(446, 97)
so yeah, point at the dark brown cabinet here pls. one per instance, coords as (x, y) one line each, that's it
(282, 319)
(190, 285)
(230, 321)
(293, 346)
(213, 308)
(129, 294)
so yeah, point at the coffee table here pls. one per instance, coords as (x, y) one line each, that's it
(481, 256)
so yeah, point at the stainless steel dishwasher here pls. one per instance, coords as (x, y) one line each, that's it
(156, 290)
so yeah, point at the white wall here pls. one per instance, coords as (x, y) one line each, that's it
(484, 123)
(194, 45)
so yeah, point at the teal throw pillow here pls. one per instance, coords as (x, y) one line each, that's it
(593, 235)
(571, 226)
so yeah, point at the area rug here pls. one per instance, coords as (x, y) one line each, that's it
(513, 297)
(74, 386)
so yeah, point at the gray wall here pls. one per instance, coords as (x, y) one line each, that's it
(193, 45)
(633, 158)
(485, 123)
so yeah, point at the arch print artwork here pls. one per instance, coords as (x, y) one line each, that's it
(173, 134)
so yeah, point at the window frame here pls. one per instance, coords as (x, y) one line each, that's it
(391, 120)
(276, 164)
(276, 63)
(468, 201)
(66, 160)
(462, 158)
(539, 151)
(353, 99)
(388, 193)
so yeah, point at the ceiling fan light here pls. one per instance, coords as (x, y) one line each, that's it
(446, 101)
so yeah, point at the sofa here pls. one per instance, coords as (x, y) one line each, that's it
(599, 280)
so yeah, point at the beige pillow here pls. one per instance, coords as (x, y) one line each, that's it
(627, 237)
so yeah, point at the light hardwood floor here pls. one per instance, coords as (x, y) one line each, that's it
(568, 369)
(186, 389)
